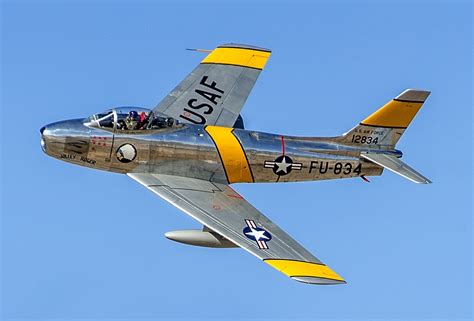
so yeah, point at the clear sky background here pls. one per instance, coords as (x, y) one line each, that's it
(79, 243)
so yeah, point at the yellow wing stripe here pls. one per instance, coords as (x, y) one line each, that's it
(299, 268)
(238, 56)
(396, 114)
(232, 154)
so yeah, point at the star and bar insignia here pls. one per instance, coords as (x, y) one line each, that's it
(283, 165)
(257, 234)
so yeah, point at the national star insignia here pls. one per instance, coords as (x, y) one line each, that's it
(282, 165)
(258, 235)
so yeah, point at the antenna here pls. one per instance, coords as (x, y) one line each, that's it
(198, 50)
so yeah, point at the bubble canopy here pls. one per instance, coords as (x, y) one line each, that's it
(128, 119)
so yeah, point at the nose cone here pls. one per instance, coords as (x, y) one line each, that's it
(43, 144)
(65, 139)
(44, 136)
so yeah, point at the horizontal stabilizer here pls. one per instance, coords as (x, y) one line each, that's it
(394, 164)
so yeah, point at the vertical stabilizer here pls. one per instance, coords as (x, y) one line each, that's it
(385, 126)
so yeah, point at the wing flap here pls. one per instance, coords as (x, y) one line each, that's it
(221, 209)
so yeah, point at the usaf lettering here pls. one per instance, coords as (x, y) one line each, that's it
(211, 94)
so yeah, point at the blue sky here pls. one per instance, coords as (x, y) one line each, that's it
(84, 244)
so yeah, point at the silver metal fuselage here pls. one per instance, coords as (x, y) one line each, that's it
(189, 151)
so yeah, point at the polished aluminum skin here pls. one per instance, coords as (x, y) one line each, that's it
(187, 150)
(192, 146)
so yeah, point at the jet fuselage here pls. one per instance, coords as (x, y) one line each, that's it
(224, 155)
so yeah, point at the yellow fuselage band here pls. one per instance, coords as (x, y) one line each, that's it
(232, 154)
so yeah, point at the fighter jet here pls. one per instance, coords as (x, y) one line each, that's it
(192, 147)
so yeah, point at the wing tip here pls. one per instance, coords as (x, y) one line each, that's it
(414, 95)
(318, 280)
(306, 272)
(243, 46)
(238, 55)
(424, 181)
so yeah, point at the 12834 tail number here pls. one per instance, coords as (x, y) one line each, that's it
(360, 139)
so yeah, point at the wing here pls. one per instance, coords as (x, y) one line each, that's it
(221, 209)
(216, 90)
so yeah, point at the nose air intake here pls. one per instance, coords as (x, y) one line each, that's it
(42, 142)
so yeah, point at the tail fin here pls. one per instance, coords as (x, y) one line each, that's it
(385, 126)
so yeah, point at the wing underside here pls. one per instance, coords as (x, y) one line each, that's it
(216, 90)
(224, 211)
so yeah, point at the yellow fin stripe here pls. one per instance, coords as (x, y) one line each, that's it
(299, 268)
(394, 114)
(238, 56)
(232, 155)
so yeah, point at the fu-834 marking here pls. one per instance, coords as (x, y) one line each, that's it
(283, 165)
(322, 167)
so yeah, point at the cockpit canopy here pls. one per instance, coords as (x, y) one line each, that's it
(131, 119)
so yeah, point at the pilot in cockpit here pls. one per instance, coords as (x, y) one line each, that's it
(132, 121)
(144, 121)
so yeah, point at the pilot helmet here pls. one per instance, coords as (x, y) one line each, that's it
(133, 114)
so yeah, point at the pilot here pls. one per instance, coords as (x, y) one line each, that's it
(143, 120)
(132, 121)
